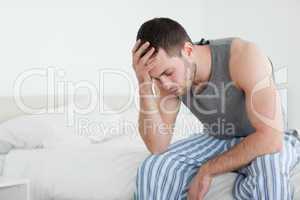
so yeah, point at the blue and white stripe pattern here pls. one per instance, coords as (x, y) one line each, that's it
(167, 175)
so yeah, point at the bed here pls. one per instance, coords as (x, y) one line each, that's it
(89, 167)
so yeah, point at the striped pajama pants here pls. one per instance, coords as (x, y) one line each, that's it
(166, 176)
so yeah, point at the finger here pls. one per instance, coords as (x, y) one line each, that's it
(150, 61)
(136, 45)
(141, 50)
(199, 197)
(146, 57)
(201, 194)
(191, 197)
(148, 68)
(134, 58)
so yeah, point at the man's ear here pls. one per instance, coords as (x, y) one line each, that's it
(187, 49)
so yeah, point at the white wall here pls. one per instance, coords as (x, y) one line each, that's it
(79, 37)
(82, 37)
(294, 63)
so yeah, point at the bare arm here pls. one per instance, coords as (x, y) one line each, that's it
(252, 73)
(157, 114)
(157, 119)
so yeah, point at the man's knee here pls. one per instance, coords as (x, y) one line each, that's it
(148, 165)
(264, 178)
(148, 174)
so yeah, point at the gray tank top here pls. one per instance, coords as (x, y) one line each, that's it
(220, 106)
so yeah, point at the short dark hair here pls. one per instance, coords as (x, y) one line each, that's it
(164, 33)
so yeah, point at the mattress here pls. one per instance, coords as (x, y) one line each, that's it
(99, 171)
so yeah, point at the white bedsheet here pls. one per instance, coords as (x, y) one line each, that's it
(101, 171)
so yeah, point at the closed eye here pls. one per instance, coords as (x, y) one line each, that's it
(156, 78)
(167, 73)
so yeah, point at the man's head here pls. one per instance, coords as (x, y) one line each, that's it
(173, 66)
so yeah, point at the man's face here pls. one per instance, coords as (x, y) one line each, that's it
(173, 74)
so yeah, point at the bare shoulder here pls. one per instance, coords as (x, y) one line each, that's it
(242, 49)
(248, 64)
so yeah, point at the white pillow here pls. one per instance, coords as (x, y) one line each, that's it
(56, 130)
(5, 147)
(24, 132)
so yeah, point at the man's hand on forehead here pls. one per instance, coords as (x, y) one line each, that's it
(144, 47)
(142, 56)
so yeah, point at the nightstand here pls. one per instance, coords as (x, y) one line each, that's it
(14, 189)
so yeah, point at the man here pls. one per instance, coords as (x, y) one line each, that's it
(227, 84)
